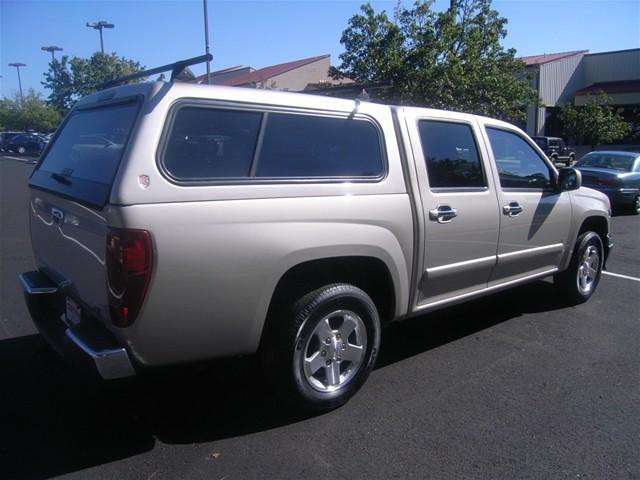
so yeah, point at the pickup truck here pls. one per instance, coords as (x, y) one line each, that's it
(174, 223)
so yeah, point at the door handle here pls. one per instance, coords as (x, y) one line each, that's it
(513, 209)
(443, 214)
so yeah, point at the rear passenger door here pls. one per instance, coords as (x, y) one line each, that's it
(534, 226)
(459, 205)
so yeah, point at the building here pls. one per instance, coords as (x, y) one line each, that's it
(569, 77)
(291, 76)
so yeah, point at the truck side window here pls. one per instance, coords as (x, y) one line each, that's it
(451, 155)
(518, 163)
(317, 146)
(211, 143)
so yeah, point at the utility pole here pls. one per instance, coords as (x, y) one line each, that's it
(99, 26)
(206, 39)
(52, 49)
(18, 65)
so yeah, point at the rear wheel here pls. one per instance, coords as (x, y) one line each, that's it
(578, 282)
(320, 351)
(22, 150)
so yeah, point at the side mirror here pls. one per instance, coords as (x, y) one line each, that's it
(569, 179)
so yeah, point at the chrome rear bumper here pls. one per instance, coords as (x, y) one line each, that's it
(86, 341)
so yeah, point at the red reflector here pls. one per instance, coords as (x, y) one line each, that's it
(129, 261)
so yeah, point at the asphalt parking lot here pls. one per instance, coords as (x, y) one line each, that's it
(517, 385)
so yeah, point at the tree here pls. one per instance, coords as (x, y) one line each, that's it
(596, 122)
(29, 113)
(71, 79)
(451, 59)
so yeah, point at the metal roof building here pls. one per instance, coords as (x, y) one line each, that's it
(569, 77)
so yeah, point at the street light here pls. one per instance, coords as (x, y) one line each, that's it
(18, 65)
(52, 49)
(99, 26)
(206, 39)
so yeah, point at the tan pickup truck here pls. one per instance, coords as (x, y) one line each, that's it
(174, 223)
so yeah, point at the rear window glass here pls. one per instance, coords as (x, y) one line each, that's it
(608, 161)
(541, 142)
(90, 145)
(84, 158)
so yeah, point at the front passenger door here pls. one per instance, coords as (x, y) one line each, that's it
(534, 219)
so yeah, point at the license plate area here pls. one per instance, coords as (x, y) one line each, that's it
(73, 312)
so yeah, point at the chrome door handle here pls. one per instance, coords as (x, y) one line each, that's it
(513, 209)
(443, 214)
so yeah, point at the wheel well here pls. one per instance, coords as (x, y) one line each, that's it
(599, 226)
(367, 273)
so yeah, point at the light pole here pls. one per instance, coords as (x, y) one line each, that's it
(206, 39)
(99, 26)
(18, 65)
(52, 49)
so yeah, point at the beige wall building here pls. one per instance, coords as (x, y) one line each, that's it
(570, 77)
(291, 76)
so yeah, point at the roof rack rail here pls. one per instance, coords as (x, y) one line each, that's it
(175, 68)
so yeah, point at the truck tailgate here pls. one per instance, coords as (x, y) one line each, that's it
(68, 241)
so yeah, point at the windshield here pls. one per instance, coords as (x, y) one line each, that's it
(609, 160)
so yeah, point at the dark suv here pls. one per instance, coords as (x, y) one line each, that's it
(556, 149)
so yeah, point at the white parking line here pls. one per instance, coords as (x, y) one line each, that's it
(622, 276)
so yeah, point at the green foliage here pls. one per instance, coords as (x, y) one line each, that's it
(595, 123)
(29, 113)
(451, 59)
(71, 79)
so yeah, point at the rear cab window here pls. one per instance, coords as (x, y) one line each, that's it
(82, 162)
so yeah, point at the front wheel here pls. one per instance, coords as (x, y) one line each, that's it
(578, 282)
(319, 353)
(22, 150)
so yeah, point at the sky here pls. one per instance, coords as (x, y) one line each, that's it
(262, 33)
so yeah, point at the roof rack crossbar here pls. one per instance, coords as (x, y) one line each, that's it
(175, 68)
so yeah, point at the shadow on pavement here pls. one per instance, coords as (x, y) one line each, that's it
(55, 420)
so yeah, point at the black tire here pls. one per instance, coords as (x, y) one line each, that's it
(293, 333)
(578, 282)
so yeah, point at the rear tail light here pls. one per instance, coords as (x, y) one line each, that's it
(129, 261)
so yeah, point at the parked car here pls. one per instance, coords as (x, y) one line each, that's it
(27, 144)
(228, 221)
(556, 149)
(5, 137)
(614, 173)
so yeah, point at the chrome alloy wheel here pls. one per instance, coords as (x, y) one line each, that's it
(588, 269)
(334, 351)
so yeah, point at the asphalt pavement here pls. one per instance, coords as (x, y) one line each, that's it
(513, 386)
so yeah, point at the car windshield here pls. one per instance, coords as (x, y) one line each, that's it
(610, 161)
